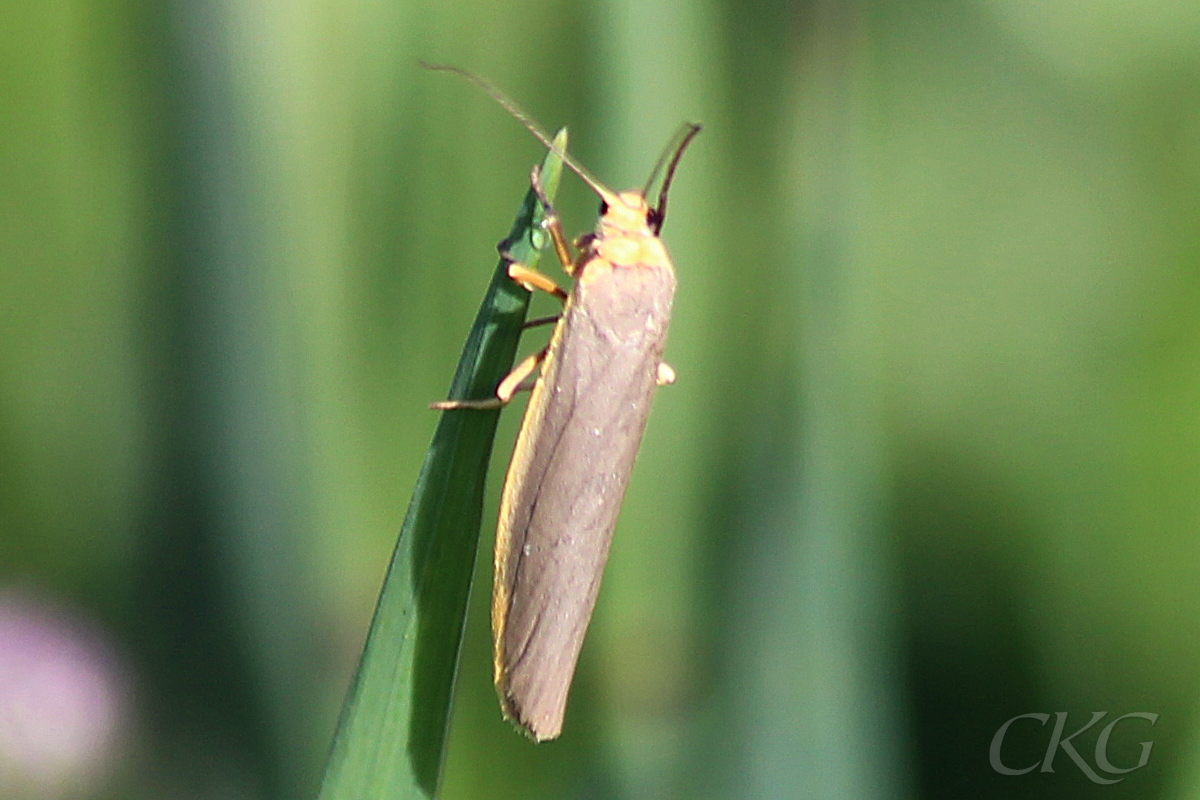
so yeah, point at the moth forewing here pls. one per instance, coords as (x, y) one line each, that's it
(571, 465)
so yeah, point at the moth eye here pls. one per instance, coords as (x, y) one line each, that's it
(603, 208)
(653, 218)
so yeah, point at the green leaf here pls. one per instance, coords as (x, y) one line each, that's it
(391, 739)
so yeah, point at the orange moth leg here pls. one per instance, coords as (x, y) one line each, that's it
(532, 279)
(508, 387)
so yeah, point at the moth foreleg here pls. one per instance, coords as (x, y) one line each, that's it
(552, 223)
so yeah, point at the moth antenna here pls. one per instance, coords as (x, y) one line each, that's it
(516, 111)
(684, 138)
(666, 153)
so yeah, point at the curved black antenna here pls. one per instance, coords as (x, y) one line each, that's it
(684, 137)
(512, 108)
(672, 146)
(662, 159)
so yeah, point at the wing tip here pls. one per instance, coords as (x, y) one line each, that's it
(539, 728)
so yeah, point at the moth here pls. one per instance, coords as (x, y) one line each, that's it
(581, 432)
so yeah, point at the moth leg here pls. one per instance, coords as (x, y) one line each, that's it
(508, 387)
(552, 223)
(474, 405)
(532, 279)
(533, 323)
(666, 374)
(515, 381)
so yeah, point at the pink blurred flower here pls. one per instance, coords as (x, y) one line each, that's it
(60, 701)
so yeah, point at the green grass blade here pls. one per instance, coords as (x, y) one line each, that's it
(391, 739)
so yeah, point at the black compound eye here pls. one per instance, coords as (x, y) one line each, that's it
(603, 208)
(654, 219)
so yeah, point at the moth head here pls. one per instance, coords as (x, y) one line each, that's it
(627, 212)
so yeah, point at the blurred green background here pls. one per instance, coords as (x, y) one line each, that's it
(932, 461)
